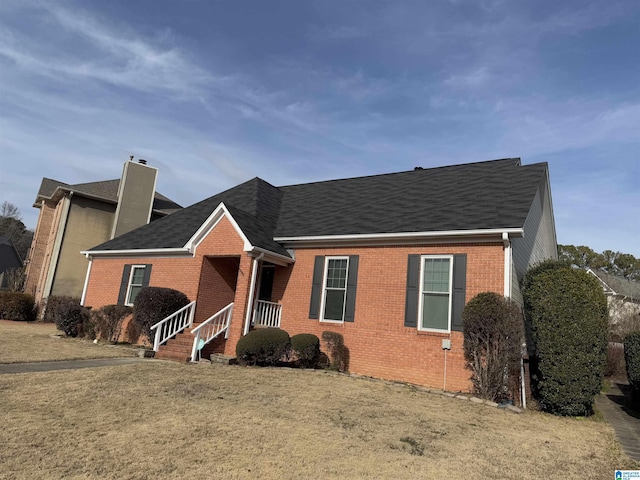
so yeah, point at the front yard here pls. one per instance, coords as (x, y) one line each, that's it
(169, 420)
(33, 342)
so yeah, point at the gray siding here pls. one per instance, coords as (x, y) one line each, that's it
(539, 240)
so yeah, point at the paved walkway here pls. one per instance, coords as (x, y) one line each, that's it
(68, 364)
(626, 423)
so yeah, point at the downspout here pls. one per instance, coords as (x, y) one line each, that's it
(507, 264)
(507, 294)
(252, 290)
(86, 281)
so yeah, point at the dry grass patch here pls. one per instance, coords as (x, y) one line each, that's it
(165, 420)
(32, 342)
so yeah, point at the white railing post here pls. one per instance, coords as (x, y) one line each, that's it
(267, 314)
(211, 328)
(173, 324)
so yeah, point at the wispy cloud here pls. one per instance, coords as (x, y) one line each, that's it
(112, 56)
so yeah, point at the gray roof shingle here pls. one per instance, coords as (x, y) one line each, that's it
(106, 190)
(484, 195)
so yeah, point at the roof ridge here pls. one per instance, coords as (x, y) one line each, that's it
(419, 169)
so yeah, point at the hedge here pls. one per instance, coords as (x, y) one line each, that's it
(17, 306)
(632, 359)
(153, 304)
(263, 347)
(67, 313)
(305, 348)
(568, 317)
(493, 336)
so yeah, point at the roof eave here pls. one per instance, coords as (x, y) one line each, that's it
(449, 236)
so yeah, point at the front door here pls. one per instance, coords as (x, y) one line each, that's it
(266, 282)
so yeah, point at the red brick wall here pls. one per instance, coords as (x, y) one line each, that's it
(181, 273)
(37, 254)
(379, 344)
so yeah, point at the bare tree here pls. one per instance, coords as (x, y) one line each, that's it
(11, 226)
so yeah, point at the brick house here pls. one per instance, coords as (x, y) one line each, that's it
(388, 261)
(76, 217)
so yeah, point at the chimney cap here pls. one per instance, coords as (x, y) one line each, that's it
(142, 161)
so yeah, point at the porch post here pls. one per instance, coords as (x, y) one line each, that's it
(252, 289)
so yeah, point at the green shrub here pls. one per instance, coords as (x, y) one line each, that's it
(493, 336)
(17, 306)
(305, 348)
(153, 304)
(338, 352)
(108, 321)
(88, 328)
(568, 318)
(263, 347)
(67, 313)
(632, 359)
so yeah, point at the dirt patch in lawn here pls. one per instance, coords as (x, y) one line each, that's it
(36, 342)
(166, 420)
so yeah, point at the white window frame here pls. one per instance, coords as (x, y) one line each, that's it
(131, 284)
(422, 292)
(324, 288)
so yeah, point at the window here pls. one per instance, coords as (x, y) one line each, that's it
(436, 277)
(136, 282)
(434, 302)
(134, 277)
(335, 289)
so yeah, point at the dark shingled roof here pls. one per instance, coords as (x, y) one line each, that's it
(106, 190)
(485, 195)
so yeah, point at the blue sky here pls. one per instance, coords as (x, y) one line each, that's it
(214, 93)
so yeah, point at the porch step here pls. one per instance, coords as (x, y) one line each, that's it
(178, 348)
(223, 359)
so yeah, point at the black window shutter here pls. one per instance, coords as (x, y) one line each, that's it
(147, 275)
(316, 286)
(352, 280)
(124, 283)
(459, 290)
(413, 291)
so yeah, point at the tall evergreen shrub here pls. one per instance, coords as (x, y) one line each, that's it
(632, 359)
(153, 304)
(493, 336)
(568, 317)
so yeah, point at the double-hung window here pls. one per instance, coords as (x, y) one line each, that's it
(333, 288)
(136, 282)
(436, 278)
(334, 292)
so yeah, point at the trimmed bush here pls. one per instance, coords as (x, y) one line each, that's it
(493, 336)
(108, 321)
(67, 313)
(88, 328)
(305, 348)
(153, 304)
(17, 306)
(632, 359)
(338, 352)
(614, 366)
(263, 347)
(568, 318)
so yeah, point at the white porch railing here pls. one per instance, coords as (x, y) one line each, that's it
(211, 328)
(173, 324)
(266, 314)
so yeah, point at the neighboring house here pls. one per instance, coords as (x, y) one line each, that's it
(623, 296)
(9, 259)
(388, 261)
(76, 217)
